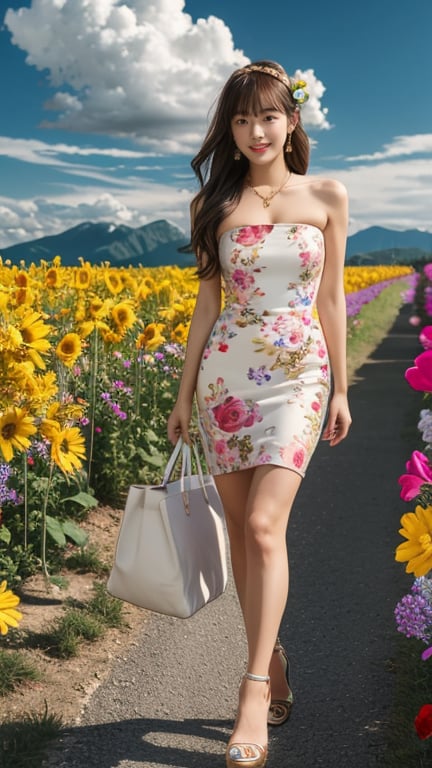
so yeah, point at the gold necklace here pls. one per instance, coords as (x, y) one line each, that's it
(267, 198)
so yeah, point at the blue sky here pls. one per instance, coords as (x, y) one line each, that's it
(103, 103)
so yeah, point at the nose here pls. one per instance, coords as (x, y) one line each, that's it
(257, 131)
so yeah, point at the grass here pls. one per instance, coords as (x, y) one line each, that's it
(371, 325)
(413, 688)
(81, 621)
(23, 742)
(14, 670)
(87, 561)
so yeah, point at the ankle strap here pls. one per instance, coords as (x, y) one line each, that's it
(257, 678)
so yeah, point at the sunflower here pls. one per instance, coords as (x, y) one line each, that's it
(69, 349)
(83, 276)
(114, 281)
(417, 550)
(151, 337)
(9, 616)
(21, 279)
(123, 316)
(180, 333)
(67, 448)
(34, 331)
(40, 388)
(98, 308)
(53, 278)
(15, 429)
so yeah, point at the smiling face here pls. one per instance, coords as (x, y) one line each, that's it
(261, 136)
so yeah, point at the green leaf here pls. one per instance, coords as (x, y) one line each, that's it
(5, 534)
(151, 436)
(84, 499)
(157, 460)
(75, 533)
(55, 530)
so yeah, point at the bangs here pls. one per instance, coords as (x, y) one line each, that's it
(257, 92)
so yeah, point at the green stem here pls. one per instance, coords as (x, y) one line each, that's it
(93, 381)
(25, 459)
(44, 521)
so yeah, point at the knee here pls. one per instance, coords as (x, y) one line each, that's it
(260, 534)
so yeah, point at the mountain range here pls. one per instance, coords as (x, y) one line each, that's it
(161, 243)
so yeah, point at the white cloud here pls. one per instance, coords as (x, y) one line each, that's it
(389, 194)
(24, 220)
(138, 69)
(401, 146)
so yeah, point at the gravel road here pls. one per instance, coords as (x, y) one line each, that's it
(171, 696)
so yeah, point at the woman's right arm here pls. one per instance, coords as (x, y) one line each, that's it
(206, 312)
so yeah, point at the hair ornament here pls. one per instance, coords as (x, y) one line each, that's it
(297, 87)
(300, 95)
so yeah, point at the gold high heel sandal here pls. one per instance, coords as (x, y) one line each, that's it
(241, 755)
(280, 709)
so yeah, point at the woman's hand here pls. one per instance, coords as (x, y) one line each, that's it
(178, 422)
(339, 420)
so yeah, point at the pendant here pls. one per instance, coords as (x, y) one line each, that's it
(266, 203)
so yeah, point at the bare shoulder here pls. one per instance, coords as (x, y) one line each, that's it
(330, 191)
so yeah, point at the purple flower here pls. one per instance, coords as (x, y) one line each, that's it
(84, 421)
(159, 356)
(127, 363)
(118, 384)
(413, 616)
(105, 396)
(259, 375)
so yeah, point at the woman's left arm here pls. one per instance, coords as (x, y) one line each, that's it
(331, 306)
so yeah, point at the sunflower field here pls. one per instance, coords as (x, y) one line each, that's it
(89, 367)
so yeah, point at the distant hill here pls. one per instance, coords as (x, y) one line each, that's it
(161, 242)
(379, 239)
(152, 245)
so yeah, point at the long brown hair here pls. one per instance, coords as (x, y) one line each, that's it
(220, 176)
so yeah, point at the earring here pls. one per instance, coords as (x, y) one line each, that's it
(237, 154)
(288, 145)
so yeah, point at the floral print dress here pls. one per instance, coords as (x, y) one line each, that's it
(263, 383)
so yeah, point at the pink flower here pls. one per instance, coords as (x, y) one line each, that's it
(419, 377)
(242, 279)
(234, 414)
(414, 320)
(220, 447)
(425, 337)
(252, 235)
(419, 472)
(316, 406)
(427, 269)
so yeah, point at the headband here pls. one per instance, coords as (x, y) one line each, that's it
(297, 88)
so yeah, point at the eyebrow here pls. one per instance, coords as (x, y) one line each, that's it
(262, 111)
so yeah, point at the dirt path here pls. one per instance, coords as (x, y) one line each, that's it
(169, 699)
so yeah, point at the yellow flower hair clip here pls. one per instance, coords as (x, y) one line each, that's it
(300, 95)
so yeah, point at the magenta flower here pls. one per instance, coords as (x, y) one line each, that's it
(419, 377)
(419, 472)
(425, 337)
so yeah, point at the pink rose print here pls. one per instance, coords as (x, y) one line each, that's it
(234, 414)
(251, 235)
(242, 279)
(316, 406)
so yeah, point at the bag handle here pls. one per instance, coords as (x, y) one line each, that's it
(172, 461)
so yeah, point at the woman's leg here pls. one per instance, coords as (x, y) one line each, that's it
(258, 504)
(234, 491)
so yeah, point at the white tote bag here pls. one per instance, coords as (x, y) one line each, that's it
(171, 555)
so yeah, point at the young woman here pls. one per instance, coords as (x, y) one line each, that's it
(261, 367)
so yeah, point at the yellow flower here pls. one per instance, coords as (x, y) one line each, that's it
(83, 276)
(417, 550)
(151, 337)
(67, 448)
(123, 316)
(98, 308)
(9, 616)
(53, 278)
(180, 333)
(15, 428)
(114, 281)
(33, 331)
(69, 349)
(89, 326)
